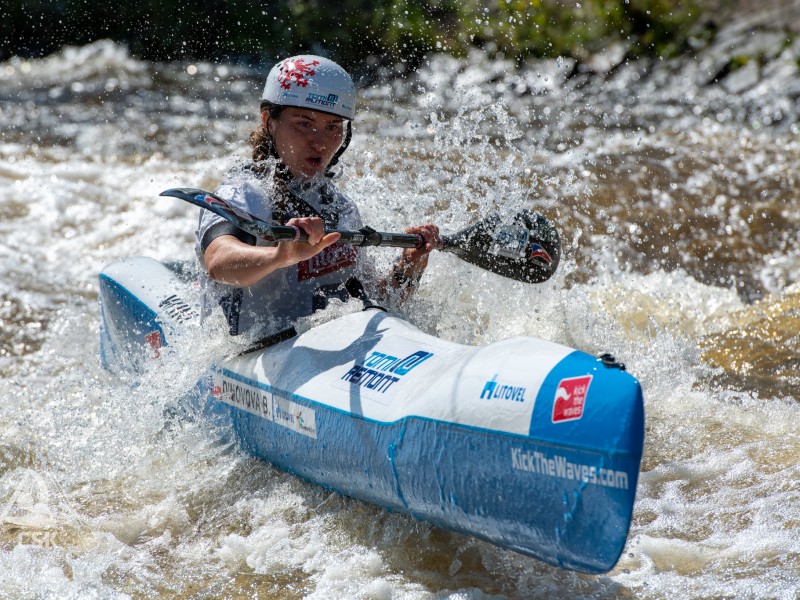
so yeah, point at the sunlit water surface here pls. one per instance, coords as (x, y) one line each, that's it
(679, 216)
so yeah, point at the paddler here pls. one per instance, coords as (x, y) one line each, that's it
(307, 110)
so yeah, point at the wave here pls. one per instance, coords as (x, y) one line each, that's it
(100, 66)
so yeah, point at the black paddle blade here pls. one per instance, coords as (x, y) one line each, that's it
(526, 248)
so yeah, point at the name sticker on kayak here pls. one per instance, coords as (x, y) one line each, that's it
(378, 375)
(265, 404)
(247, 397)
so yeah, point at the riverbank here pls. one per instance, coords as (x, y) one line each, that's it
(385, 32)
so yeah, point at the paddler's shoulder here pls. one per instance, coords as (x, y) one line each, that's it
(244, 187)
(250, 172)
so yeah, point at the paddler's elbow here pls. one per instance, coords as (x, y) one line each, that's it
(226, 263)
(214, 266)
(228, 278)
(221, 271)
(215, 273)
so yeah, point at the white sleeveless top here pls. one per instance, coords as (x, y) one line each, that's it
(274, 303)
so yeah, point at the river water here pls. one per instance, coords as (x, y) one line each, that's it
(678, 207)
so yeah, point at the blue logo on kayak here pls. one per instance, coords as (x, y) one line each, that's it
(391, 364)
(380, 371)
(500, 391)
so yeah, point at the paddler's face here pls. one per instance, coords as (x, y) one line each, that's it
(306, 140)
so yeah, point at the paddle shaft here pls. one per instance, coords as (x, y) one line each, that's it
(524, 248)
(363, 237)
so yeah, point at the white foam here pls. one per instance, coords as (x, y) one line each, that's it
(170, 502)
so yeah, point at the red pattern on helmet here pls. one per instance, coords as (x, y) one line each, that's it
(296, 72)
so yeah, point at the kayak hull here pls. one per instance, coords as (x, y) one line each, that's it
(528, 444)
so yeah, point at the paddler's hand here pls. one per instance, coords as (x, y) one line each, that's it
(233, 262)
(291, 253)
(413, 261)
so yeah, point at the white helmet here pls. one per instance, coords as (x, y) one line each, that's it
(313, 82)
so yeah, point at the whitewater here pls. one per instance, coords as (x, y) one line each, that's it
(677, 207)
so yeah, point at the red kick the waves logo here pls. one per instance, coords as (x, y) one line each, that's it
(329, 260)
(570, 398)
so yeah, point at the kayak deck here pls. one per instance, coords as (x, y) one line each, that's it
(528, 444)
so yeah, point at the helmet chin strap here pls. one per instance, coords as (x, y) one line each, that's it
(273, 111)
(348, 135)
(273, 151)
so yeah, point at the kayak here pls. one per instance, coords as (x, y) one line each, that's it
(528, 444)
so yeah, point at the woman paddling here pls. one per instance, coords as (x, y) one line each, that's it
(307, 108)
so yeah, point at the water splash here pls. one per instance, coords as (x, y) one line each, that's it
(675, 214)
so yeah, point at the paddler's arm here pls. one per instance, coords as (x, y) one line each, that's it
(234, 262)
(407, 270)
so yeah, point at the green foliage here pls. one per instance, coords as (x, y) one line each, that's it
(550, 28)
(352, 31)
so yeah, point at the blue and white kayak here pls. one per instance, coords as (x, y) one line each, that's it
(526, 443)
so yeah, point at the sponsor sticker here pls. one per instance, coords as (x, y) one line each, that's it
(540, 254)
(377, 376)
(566, 468)
(329, 260)
(329, 101)
(178, 309)
(219, 202)
(502, 390)
(510, 241)
(570, 398)
(291, 415)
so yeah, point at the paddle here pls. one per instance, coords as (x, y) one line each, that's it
(524, 248)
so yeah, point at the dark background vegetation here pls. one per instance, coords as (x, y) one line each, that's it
(353, 31)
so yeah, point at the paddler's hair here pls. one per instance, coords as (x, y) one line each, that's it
(260, 140)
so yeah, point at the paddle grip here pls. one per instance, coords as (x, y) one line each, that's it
(367, 236)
